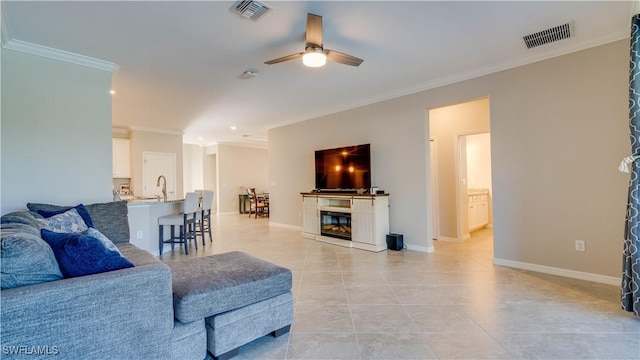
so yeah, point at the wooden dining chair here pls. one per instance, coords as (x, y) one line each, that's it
(259, 205)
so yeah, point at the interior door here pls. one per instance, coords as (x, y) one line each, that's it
(156, 164)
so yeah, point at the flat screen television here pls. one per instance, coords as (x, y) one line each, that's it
(344, 168)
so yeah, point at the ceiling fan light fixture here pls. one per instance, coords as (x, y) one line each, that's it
(314, 58)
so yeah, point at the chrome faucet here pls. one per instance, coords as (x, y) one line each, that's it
(164, 187)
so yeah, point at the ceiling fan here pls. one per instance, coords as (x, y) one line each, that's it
(314, 54)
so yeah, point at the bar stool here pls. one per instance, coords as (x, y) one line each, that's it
(185, 220)
(204, 216)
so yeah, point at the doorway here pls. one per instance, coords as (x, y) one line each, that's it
(474, 183)
(449, 185)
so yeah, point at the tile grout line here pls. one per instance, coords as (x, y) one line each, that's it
(353, 324)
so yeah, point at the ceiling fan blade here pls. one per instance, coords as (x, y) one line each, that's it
(284, 58)
(341, 58)
(314, 29)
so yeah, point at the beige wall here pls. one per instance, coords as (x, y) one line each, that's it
(192, 163)
(210, 176)
(558, 129)
(397, 134)
(238, 166)
(142, 141)
(56, 132)
(445, 125)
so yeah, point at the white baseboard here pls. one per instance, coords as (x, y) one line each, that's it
(448, 239)
(603, 279)
(166, 249)
(286, 226)
(426, 249)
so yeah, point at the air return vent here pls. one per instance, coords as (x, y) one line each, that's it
(253, 10)
(547, 36)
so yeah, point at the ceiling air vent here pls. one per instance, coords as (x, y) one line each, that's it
(547, 36)
(253, 10)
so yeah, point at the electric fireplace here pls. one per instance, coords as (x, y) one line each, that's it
(335, 224)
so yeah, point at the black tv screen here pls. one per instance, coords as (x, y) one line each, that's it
(344, 168)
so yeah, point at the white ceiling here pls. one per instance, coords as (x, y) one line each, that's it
(180, 62)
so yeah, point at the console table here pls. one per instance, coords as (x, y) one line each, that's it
(353, 220)
(243, 199)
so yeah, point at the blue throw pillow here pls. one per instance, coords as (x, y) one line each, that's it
(80, 208)
(80, 255)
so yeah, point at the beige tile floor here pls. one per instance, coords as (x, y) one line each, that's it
(451, 304)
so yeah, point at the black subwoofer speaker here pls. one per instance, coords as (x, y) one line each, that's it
(395, 242)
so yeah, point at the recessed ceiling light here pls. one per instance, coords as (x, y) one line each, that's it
(234, 128)
(200, 138)
(112, 92)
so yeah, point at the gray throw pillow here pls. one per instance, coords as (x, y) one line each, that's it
(26, 259)
(12, 228)
(22, 217)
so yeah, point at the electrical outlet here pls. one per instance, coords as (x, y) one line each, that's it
(139, 234)
(580, 245)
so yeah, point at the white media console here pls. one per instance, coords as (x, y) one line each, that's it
(353, 220)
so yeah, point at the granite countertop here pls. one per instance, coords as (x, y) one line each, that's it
(152, 201)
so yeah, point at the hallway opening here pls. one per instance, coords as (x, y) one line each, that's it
(460, 167)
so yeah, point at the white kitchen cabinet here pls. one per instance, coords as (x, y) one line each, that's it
(121, 158)
(311, 215)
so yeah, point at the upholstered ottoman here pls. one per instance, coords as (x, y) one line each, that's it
(241, 298)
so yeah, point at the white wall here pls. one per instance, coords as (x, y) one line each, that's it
(56, 132)
(238, 166)
(479, 161)
(558, 130)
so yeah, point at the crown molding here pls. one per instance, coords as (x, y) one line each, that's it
(155, 130)
(118, 130)
(263, 146)
(465, 75)
(61, 55)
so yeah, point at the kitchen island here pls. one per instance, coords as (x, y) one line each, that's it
(143, 222)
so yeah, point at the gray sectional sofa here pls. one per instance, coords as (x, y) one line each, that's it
(152, 310)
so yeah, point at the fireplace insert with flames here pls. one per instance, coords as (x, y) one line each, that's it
(335, 224)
